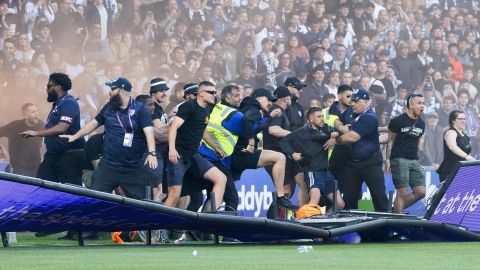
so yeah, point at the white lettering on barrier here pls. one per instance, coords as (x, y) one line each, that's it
(253, 200)
(460, 203)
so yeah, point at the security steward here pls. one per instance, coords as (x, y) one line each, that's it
(339, 153)
(128, 132)
(365, 163)
(63, 161)
(295, 112)
(219, 140)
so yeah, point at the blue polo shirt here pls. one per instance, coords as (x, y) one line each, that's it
(65, 110)
(366, 125)
(114, 153)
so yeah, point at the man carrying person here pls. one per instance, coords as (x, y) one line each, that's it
(405, 133)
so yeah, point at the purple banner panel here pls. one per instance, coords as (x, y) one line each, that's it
(460, 203)
(32, 208)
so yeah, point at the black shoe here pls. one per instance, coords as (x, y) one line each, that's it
(45, 234)
(70, 236)
(286, 203)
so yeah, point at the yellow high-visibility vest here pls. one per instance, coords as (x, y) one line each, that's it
(329, 119)
(225, 139)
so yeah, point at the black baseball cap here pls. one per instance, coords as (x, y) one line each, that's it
(281, 92)
(294, 82)
(263, 92)
(158, 84)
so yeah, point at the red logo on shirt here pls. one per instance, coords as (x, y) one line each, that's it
(66, 118)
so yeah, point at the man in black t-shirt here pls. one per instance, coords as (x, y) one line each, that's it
(277, 129)
(184, 136)
(404, 135)
(24, 153)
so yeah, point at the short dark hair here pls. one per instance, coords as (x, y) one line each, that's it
(61, 79)
(344, 87)
(312, 111)
(26, 106)
(453, 115)
(227, 91)
(142, 98)
(205, 83)
(452, 45)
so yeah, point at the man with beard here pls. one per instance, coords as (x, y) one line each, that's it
(184, 136)
(128, 133)
(246, 156)
(63, 160)
(405, 133)
(306, 148)
(24, 153)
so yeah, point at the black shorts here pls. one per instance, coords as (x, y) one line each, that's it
(155, 176)
(197, 165)
(242, 161)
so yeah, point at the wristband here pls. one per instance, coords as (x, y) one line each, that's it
(465, 156)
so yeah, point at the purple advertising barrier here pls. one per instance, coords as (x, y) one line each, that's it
(255, 187)
(461, 198)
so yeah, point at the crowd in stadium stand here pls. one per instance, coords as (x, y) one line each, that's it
(388, 48)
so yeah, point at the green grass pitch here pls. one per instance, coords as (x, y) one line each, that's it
(48, 253)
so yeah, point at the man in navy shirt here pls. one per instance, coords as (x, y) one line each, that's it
(128, 133)
(63, 161)
(365, 163)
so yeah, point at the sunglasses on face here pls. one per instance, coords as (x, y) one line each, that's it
(213, 93)
(50, 86)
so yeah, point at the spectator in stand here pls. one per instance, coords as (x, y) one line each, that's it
(68, 28)
(432, 147)
(315, 88)
(471, 122)
(395, 107)
(457, 65)
(431, 104)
